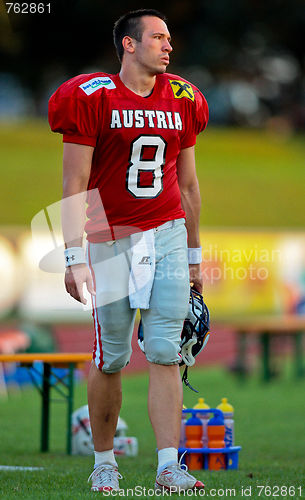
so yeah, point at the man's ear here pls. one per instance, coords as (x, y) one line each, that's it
(128, 44)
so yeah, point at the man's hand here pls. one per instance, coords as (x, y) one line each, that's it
(75, 278)
(196, 277)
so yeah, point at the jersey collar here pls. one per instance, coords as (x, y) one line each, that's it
(132, 94)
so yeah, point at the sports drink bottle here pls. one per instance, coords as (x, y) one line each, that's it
(193, 433)
(228, 412)
(216, 434)
(204, 417)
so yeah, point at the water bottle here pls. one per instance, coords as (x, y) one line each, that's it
(228, 412)
(216, 434)
(204, 417)
(193, 433)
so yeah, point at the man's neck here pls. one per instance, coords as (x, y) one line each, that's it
(139, 83)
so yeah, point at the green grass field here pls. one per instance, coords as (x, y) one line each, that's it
(247, 178)
(269, 423)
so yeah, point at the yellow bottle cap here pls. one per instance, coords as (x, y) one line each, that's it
(201, 405)
(225, 407)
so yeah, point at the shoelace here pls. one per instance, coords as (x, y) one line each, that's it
(181, 467)
(105, 473)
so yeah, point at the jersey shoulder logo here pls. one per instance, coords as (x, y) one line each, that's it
(182, 89)
(96, 83)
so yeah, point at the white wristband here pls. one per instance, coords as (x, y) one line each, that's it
(74, 255)
(194, 255)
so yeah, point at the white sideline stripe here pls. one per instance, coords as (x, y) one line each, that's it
(17, 467)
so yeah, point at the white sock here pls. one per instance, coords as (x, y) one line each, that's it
(105, 457)
(167, 456)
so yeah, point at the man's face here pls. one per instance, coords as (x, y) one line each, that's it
(154, 49)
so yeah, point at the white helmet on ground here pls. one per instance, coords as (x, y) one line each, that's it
(82, 443)
(121, 428)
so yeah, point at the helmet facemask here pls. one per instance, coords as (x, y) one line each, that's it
(195, 333)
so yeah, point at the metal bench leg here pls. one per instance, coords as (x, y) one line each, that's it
(265, 342)
(241, 355)
(70, 407)
(45, 413)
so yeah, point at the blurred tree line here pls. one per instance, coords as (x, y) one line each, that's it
(227, 38)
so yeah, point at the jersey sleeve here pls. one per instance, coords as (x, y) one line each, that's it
(197, 119)
(74, 115)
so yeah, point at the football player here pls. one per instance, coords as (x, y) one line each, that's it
(129, 152)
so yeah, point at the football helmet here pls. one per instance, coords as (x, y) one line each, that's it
(195, 333)
(82, 443)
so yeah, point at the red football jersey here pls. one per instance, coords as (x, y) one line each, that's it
(133, 181)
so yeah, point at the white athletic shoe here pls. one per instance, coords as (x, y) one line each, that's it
(175, 478)
(105, 478)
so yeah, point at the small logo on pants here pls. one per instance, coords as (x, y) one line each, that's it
(145, 260)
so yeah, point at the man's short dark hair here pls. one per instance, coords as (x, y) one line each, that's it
(131, 25)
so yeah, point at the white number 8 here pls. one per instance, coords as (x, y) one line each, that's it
(138, 165)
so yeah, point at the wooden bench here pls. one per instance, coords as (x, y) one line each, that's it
(11, 340)
(267, 327)
(64, 385)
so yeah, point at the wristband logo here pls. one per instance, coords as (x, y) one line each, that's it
(74, 255)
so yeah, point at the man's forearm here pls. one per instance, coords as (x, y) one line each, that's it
(191, 204)
(73, 211)
(76, 170)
